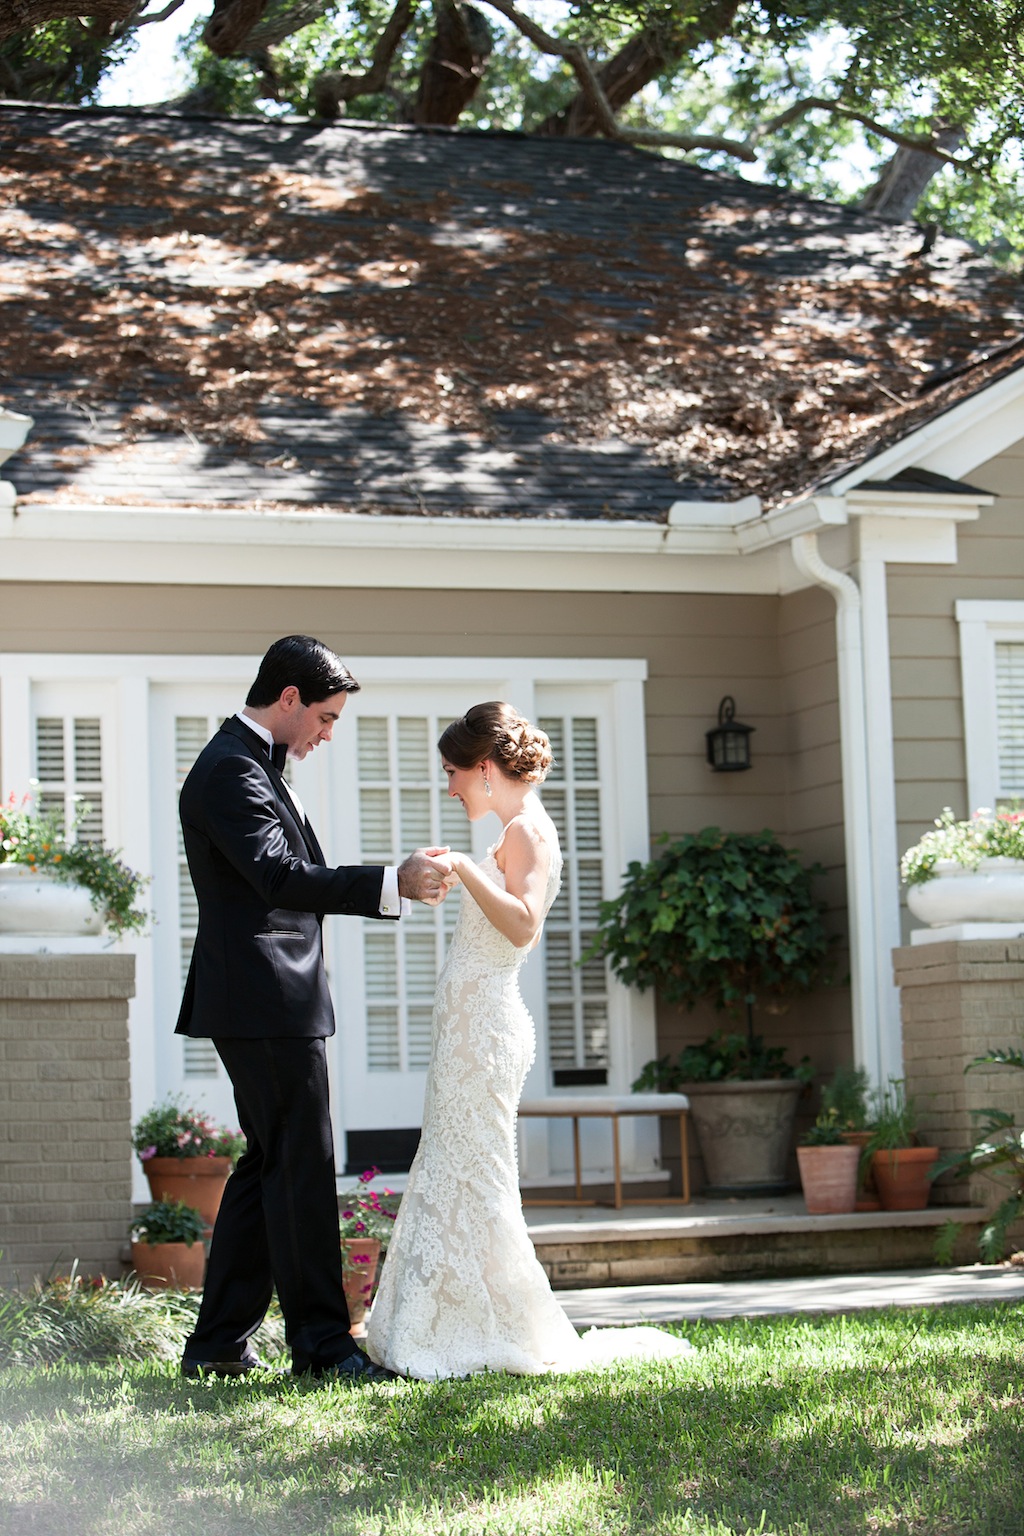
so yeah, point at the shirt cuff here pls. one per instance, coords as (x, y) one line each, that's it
(391, 904)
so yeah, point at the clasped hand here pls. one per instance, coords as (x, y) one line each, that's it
(427, 875)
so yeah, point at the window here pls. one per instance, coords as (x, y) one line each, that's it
(403, 804)
(69, 767)
(577, 994)
(992, 670)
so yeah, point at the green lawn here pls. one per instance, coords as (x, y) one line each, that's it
(879, 1422)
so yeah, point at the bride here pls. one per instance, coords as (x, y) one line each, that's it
(461, 1290)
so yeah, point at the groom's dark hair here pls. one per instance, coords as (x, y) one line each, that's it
(304, 663)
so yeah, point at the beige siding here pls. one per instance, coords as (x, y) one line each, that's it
(927, 703)
(776, 657)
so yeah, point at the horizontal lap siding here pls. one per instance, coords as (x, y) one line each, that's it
(928, 724)
(775, 656)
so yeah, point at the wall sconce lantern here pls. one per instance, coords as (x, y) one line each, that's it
(728, 748)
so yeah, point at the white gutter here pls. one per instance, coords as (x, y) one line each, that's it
(856, 800)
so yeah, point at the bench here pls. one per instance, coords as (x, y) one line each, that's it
(612, 1108)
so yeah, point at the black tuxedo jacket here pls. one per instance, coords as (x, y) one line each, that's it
(257, 966)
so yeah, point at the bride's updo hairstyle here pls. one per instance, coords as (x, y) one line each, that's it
(497, 732)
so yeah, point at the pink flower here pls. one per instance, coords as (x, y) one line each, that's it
(147, 1153)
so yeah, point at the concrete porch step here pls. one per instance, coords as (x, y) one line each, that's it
(708, 1240)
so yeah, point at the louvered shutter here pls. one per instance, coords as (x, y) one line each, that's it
(69, 768)
(403, 804)
(1010, 719)
(577, 994)
(191, 733)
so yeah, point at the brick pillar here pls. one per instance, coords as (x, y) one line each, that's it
(65, 1113)
(959, 999)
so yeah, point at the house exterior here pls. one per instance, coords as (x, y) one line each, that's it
(562, 423)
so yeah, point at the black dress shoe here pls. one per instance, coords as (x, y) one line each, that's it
(356, 1369)
(195, 1368)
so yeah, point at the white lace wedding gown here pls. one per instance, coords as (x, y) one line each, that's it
(461, 1289)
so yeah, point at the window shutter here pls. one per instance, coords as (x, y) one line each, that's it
(402, 805)
(69, 767)
(1010, 718)
(577, 995)
(191, 733)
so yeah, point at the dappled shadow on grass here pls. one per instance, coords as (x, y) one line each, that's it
(914, 1430)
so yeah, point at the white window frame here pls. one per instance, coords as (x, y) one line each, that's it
(983, 625)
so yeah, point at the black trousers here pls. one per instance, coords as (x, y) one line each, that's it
(278, 1220)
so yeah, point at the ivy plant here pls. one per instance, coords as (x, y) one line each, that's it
(726, 916)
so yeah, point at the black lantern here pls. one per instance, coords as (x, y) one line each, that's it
(729, 741)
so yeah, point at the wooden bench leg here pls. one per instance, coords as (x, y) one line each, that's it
(684, 1155)
(577, 1166)
(616, 1162)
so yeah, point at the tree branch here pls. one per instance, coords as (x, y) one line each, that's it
(26, 15)
(335, 86)
(273, 29)
(921, 141)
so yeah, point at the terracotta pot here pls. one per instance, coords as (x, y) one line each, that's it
(829, 1178)
(199, 1181)
(901, 1174)
(169, 1266)
(867, 1194)
(361, 1256)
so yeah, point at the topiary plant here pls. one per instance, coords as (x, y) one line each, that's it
(726, 916)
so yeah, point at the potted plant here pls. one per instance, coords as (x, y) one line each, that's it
(900, 1166)
(730, 918)
(828, 1167)
(52, 882)
(999, 1153)
(167, 1246)
(366, 1219)
(846, 1095)
(185, 1156)
(967, 871)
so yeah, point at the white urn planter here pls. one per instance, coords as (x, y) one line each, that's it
(35, 904)
(992, 893)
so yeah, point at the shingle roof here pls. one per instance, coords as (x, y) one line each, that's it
(355, 317)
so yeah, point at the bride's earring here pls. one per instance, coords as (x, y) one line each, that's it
(487, 788)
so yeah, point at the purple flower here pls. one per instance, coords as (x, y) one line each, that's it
(147, 1153)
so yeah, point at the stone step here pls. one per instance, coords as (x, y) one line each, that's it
(710, 1240)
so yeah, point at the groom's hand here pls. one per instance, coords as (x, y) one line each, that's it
(423, 874)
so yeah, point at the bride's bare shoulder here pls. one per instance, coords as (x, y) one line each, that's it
(532, 834)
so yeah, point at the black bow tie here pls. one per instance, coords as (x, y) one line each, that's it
(279, 755)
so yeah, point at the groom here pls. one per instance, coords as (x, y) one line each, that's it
(257, 988)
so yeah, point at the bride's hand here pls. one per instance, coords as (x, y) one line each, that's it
(453, 879)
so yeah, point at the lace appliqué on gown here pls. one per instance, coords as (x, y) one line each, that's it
(461, 1290)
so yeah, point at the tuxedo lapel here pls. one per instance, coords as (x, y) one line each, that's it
(236, 727)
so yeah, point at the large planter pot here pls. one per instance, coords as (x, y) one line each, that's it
(992, 893)
(901, 1176)
(745, 1131)
(199, 1181)
(828, 1176)
(35, 904)
(169, 1266)
(361, 1256)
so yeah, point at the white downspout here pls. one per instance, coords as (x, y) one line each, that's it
(856, 800)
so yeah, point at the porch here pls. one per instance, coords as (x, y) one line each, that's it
(589, 1247)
